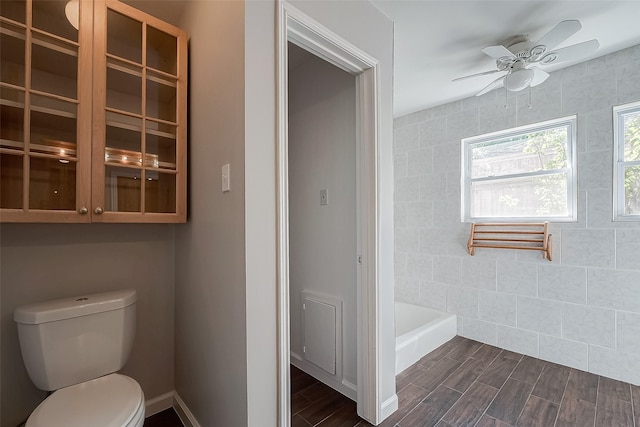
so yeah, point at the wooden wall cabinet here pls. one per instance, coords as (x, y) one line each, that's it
(93, 113)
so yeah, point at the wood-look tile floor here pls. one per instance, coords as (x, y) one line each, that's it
(166, 418)
(467, 383)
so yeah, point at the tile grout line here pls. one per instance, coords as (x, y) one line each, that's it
(526, 401)
(634, 409)
(595, 415)
(563, 396)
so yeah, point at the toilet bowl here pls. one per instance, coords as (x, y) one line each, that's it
(111, 401)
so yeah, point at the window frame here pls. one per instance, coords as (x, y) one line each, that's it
(570, 122)
(618, 161)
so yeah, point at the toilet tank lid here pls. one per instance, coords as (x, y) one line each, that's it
(67, 308)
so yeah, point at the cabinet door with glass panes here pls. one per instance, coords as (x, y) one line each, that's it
(93, 113)
(45, 110)
(139, 117)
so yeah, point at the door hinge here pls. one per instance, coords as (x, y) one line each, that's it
(359, 259)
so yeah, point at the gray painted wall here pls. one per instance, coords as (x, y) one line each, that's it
(322, 239)
(211, 349)
(581, 310)
(47, 261)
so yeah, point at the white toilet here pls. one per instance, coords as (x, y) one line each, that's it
(75, 346)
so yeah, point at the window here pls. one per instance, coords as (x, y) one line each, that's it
(526, 173)
(626, 135)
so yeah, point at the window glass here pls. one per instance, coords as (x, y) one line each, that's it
(519, 174)
(627, 162)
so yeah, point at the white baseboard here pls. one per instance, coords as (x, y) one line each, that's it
(158, 404)
(388, 407)
(183, 412)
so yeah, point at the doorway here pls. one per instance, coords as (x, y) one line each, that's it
(296, 27)
(322, 220)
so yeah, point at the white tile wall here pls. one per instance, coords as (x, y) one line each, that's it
(562, 283)
(518, 278)
(581, 310)
(498, 307)
(589, 324)
(628, 332)
(540, 315)
(518, 340)
(463, 301)
(480, 330)
(564, 352)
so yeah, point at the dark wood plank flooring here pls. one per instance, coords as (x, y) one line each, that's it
(467, 383)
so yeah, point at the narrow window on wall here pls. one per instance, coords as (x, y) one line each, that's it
(626, 134)
(521, 174)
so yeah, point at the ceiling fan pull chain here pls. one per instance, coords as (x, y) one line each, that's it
(506, 94)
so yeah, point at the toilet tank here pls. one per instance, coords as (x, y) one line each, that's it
(72, 340)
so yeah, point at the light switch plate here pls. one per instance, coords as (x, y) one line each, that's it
(226, 178)
(324, 197)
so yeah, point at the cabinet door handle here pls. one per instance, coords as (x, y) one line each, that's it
(98, 210)
(83, 210)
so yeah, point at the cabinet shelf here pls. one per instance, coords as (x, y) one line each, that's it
(136, 128)
(39, 109)
(112, 61)
(11, 143)
(60, 152)
(4, 19)
(53, 112)
(49, 44)
(133, 159)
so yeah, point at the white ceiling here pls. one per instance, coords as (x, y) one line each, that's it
(439, 40)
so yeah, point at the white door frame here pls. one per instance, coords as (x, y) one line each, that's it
(300, 29)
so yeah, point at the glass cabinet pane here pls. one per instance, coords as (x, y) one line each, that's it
(53, 126)
(160, 151)
(12, 54)
(16, 10)
(160, 192)
(11, 173)
(124, 89)
(54, 68)
(122, 189)
(124, 37)
(123, 140)
(162, 51)
(161, 99)
(52, 184)
(55, 16)
(11, 119)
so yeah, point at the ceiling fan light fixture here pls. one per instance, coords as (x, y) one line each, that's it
(518, 79)
(72, 11)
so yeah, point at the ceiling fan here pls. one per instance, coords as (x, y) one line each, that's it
(519, 60)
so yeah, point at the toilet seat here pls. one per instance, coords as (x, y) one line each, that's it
(111, 401)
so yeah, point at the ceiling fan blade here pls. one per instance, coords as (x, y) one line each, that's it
(559, 33)
(570, 53)
(498, 52)
(490, 86)
(539, 76)
(476, 75)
